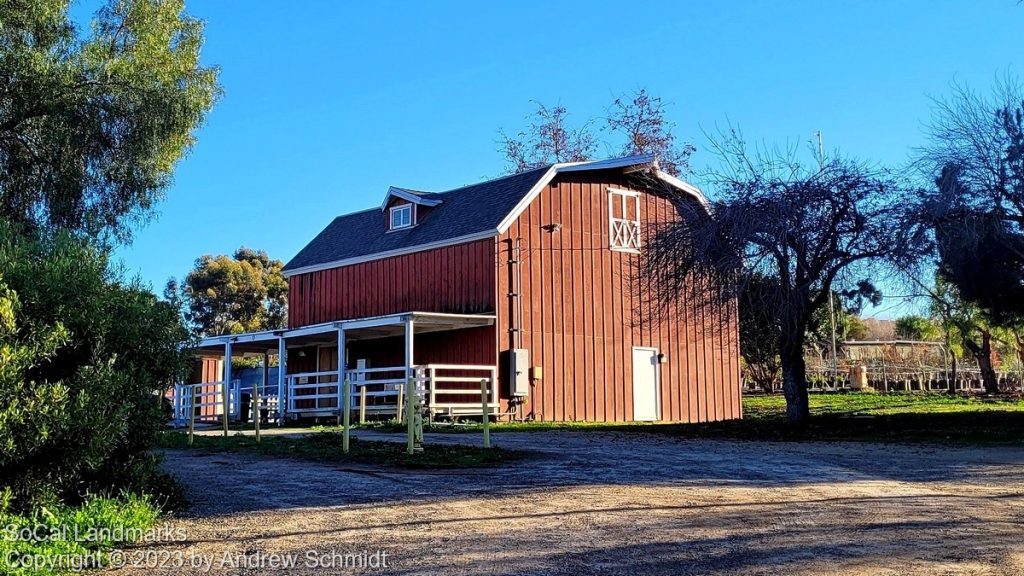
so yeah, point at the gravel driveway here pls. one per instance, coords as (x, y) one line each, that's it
(597, 503)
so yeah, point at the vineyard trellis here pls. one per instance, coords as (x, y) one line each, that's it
(901, 365)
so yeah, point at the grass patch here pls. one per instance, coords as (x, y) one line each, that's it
(864, 416)
(325, 446)
(876, 404)
(892, 417)
(62, 539)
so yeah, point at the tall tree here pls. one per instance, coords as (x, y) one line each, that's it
(233, 294)
(807, 231)
(640, 119)
(969, 330)
(92, 124)
(913, 327)
(635, 124)
(976, 155)
(548, 140)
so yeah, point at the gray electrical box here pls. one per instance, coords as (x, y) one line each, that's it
(519, 372)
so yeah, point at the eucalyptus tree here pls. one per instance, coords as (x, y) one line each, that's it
(94, 119)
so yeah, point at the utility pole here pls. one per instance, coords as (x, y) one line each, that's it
(831, 308)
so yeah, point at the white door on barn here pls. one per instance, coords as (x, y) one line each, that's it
(645, 384)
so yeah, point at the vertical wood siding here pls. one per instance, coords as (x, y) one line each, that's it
(468, 346)
(583, 313)
(454, 279)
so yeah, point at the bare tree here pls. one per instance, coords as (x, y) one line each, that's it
(802, 231)
(640, 118)
(548, 140)
(636, 124)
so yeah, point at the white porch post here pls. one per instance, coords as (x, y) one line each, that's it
(341, 371)
(254, 398)
(409, 363)
(226, 386)
(282, 364)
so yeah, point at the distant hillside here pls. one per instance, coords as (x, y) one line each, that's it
(879, 329)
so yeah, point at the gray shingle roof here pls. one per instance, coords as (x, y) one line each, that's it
(468, 210)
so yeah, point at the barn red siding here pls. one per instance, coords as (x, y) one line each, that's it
(583, 313)
(454, 279)
(470, 346)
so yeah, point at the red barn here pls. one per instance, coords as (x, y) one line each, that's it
(526, 281)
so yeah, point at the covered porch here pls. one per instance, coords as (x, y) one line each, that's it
(446, 354)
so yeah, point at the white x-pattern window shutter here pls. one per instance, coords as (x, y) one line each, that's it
(624, 220)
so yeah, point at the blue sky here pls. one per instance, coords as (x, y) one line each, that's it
(327, 103)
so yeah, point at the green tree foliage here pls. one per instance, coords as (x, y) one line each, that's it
(846, 307)
(91, 125)
(912, 327)
(969, 329)
(83, 355)
(239, 293)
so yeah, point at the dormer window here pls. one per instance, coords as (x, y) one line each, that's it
(401, 216)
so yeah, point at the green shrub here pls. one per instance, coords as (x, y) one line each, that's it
(82, 533)
(83, 355)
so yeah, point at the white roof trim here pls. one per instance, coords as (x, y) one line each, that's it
(685, 187)
(390, 253)
(627, 162)
(520, 207)
(528, 199)
(335, 325)
(244, 338)
(624, 162)
(414, 198)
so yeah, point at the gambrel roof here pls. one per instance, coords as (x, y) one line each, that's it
(464, 214)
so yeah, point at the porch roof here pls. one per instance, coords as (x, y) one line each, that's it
(256, 343)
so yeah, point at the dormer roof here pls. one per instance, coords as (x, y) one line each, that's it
(418, 197)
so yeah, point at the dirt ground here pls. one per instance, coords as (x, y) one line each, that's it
(595, 503)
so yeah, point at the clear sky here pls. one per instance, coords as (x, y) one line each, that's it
(327, 103)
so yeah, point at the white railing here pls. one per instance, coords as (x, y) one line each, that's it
(205, 400)
(382, 388)
(454, 389)
(312, 393)
(447, 389)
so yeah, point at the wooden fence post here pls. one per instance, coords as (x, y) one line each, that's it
(346, 413)
(485, 418)
(362, 404)
(400, 405)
